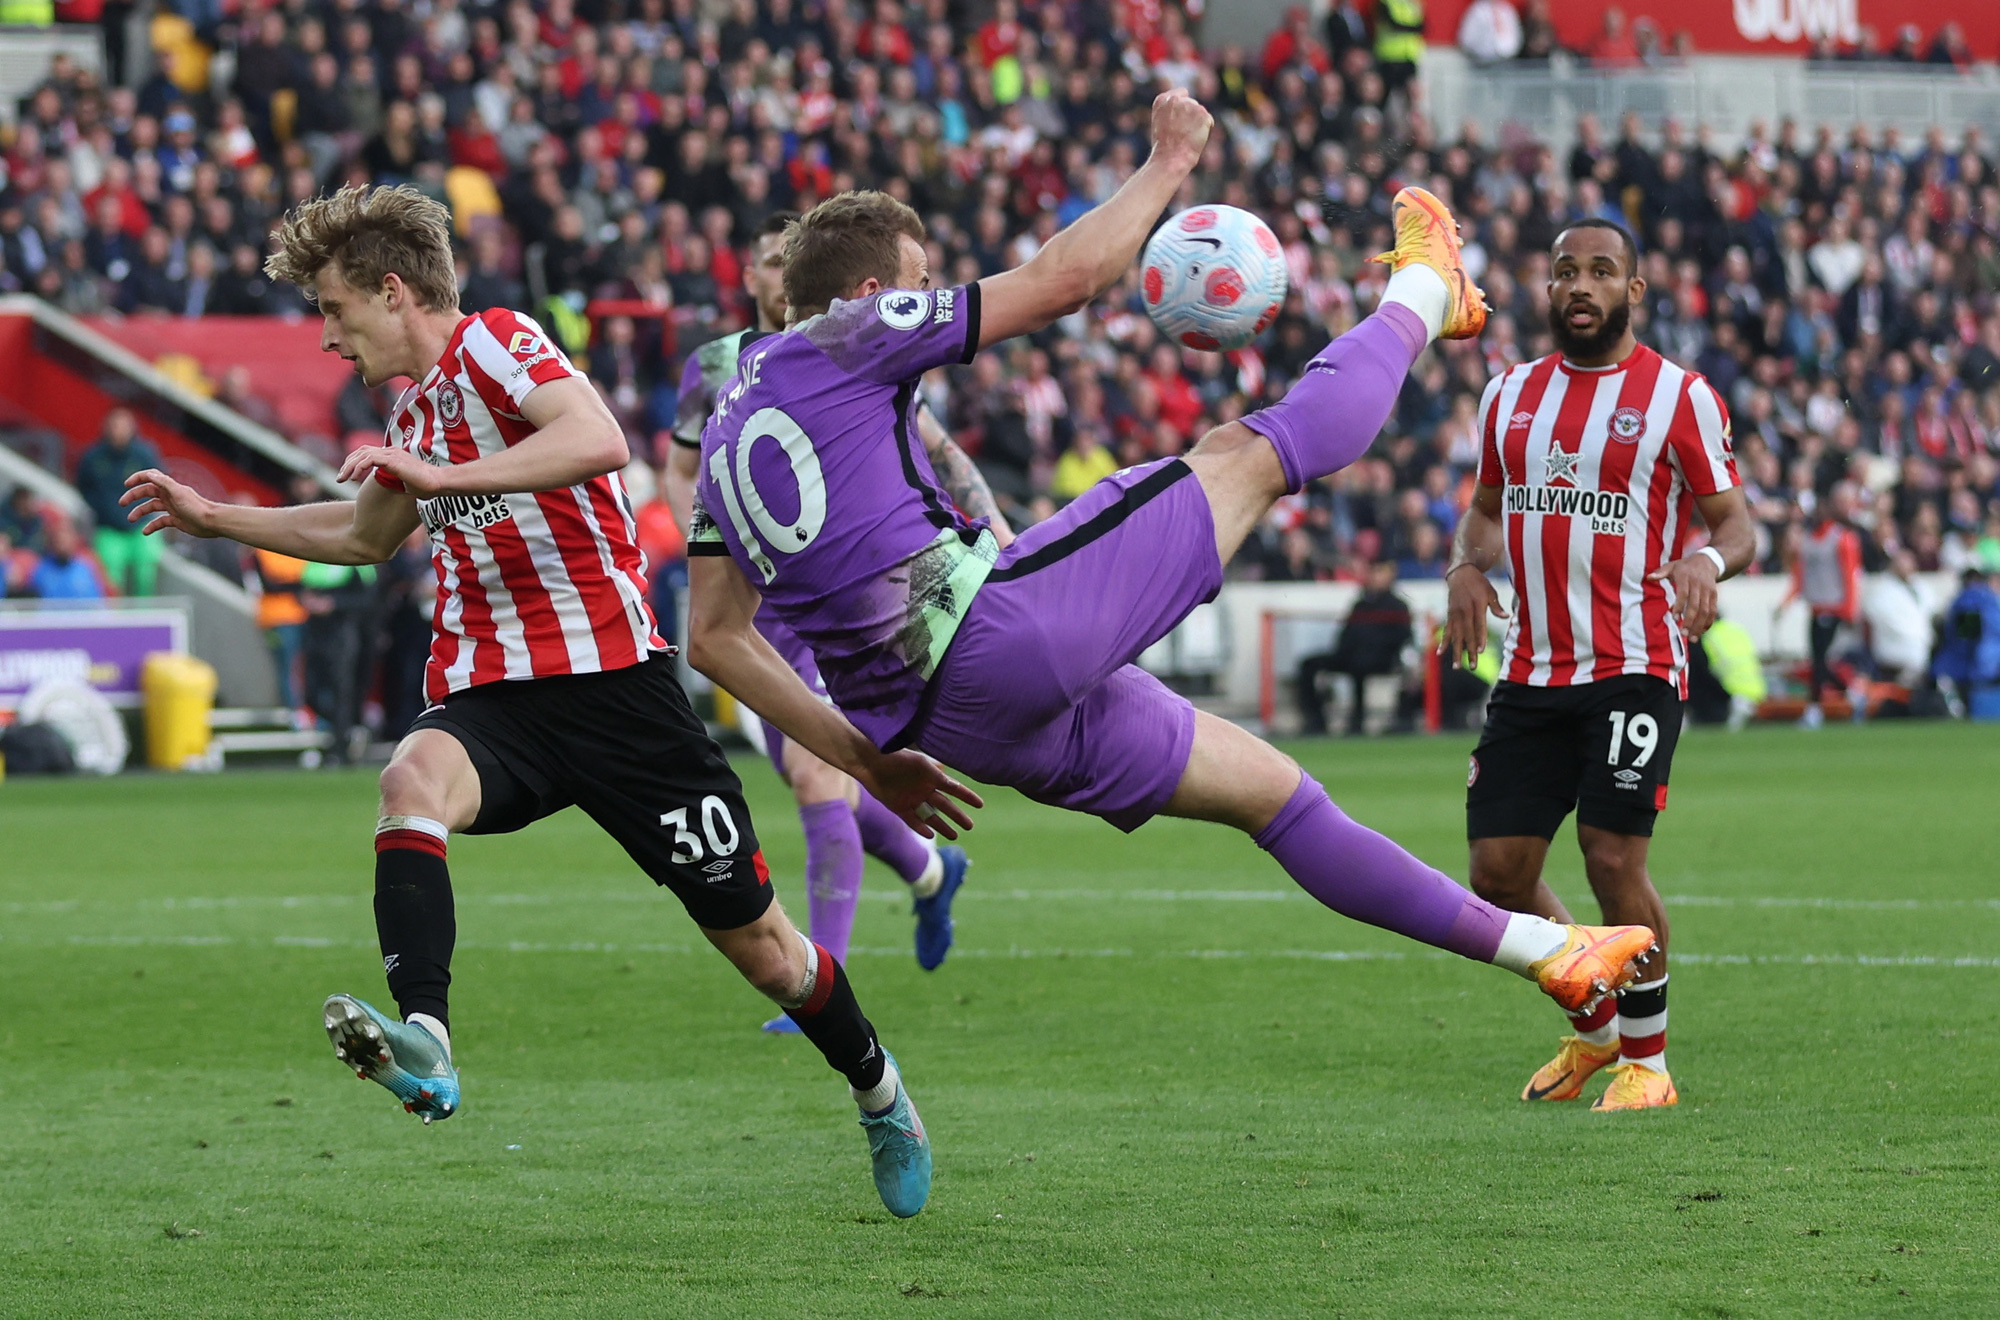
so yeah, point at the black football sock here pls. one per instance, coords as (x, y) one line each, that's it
(414, 918)
(830, 1017)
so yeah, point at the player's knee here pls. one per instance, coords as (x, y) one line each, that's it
(406, 790)
(772, 974)
(1504, 885)
(1614, 863)
(816, 781)
(772, 961)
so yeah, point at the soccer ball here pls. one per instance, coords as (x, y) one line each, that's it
(1213, 277)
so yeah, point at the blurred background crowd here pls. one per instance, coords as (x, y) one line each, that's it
(608, 162)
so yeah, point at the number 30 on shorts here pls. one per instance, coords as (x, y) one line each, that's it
(716, 827)
(1641, 730)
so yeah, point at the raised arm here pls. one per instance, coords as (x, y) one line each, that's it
(576, 438)
(364, 530)
(957, 473)
(1089, 257)
(724, 644)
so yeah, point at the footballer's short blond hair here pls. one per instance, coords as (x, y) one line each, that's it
(366, 234)
(846, 240)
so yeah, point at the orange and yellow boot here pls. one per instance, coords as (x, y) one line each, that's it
(1562, 1077)
(1635, 1086)
(1427, 235)
(1593, 962)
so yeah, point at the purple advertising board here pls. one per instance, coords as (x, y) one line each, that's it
(102, 647)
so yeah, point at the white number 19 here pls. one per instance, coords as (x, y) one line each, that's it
(1643, 732)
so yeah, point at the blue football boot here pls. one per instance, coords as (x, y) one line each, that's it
(934, 913)
(900, 1151)
(407, 1059)
(782, 1025)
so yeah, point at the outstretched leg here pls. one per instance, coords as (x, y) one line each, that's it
(1336, 408)
(1236, 779)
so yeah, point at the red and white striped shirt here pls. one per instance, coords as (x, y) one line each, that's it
(1599, 470)
(529, 585)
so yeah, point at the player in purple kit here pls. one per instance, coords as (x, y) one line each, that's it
(1015, 665)
(841, 822)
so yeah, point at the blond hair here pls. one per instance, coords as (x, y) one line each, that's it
(845, 240)
(366, 234)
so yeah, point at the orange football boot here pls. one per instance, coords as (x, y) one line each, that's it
(1562, 1077)
(1593, 962)
(1427, 234)
(1635, 1086)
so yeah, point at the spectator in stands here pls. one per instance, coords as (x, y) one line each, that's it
(1901, 622)
(1490, 31)
(1615, 46)
(23, 522)
(16, 566)
(1969, 656)
(1370, 645)
(131, 560)
(65, 571)
(668, 136)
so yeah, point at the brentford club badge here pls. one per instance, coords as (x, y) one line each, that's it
(450, 406)
(1472, 774)
(1627, 425)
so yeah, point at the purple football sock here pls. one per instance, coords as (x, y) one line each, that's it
(833, 873)
(1337, 406)
(1360, 874)
(886, 838)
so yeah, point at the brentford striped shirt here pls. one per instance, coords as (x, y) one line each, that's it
(529, 585)
(1599, 469)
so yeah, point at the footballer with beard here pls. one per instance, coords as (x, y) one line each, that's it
(1594, 461)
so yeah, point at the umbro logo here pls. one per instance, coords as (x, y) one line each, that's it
(1520, 421)
(719, 868)
(1628, 778)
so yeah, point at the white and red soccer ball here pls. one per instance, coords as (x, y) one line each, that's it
(1213, 278)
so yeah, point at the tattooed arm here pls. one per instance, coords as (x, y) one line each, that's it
(960, 477)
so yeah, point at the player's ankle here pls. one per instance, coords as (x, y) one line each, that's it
(1527, 940)
(435, 1027)
(879, 1098)
(932, 880)
(1422, 290)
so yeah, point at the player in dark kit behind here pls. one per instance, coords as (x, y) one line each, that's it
(1595, 458)
(549, 685)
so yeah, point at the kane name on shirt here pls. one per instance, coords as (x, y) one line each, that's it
(1599, 470)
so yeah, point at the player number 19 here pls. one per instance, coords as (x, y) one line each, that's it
(1643, 732)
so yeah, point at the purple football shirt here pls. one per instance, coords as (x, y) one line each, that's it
(815, 481)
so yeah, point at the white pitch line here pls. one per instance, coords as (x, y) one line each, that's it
(1015, 952)
(59, 907)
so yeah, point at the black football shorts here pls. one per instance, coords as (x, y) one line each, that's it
(624, 746)
(1603, 749)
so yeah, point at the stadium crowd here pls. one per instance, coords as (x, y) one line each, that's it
(607, 164)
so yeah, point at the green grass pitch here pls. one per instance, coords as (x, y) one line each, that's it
(1159, 1080)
